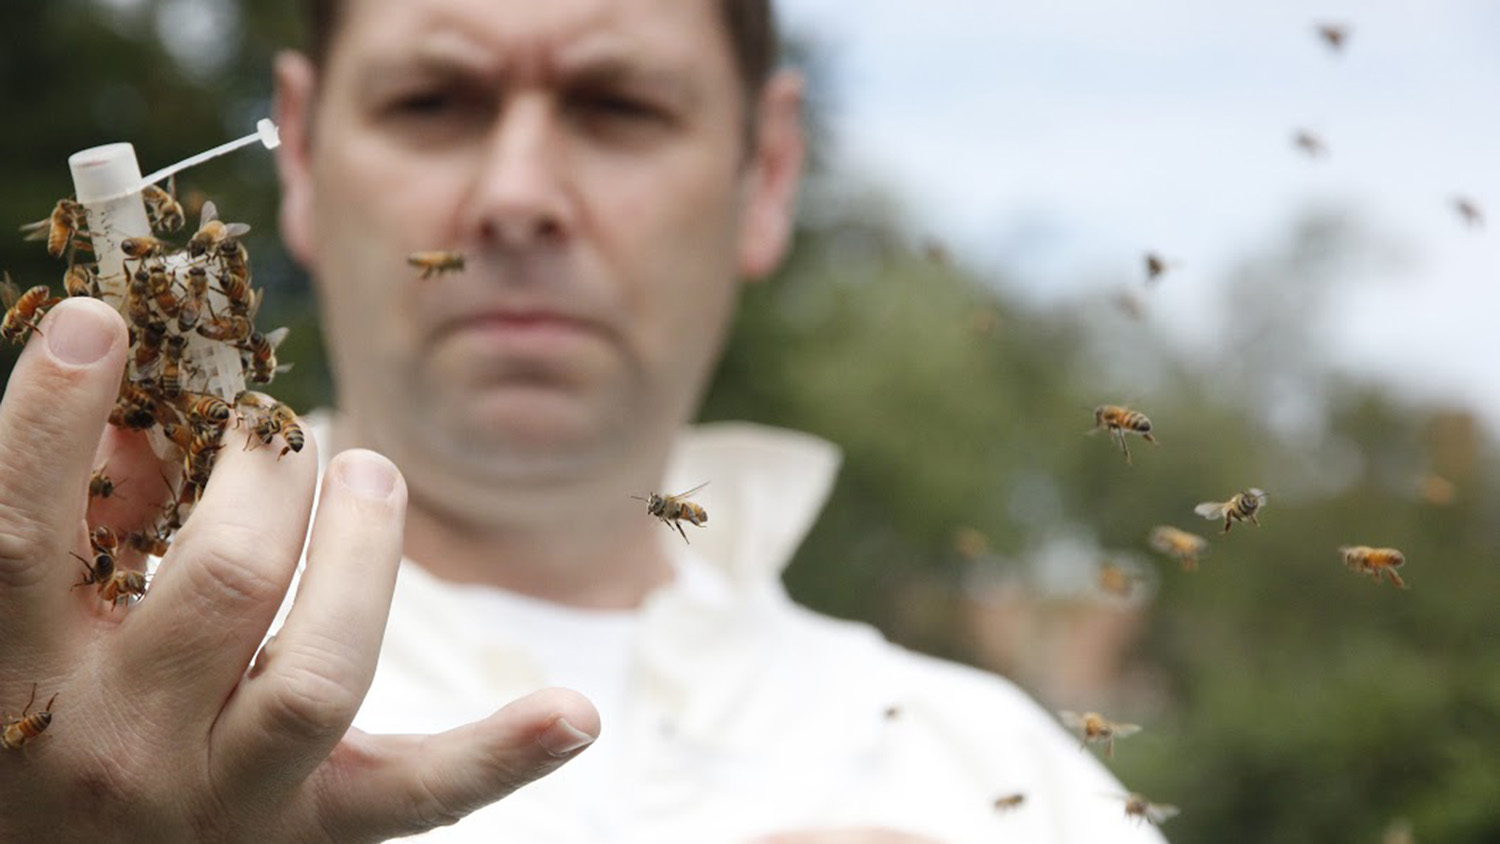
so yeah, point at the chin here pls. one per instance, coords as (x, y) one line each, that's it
(525, 432)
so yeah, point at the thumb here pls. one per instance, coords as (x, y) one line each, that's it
(384, 786)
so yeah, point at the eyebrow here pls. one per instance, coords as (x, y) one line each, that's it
(450, 62)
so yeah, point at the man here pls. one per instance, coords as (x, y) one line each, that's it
(610, 169)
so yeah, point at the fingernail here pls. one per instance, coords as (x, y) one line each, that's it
(78, 333)
(563, 739)
(368, 474)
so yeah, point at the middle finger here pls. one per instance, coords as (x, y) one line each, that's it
(219, 587)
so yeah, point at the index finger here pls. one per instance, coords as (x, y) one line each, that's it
(56, 404)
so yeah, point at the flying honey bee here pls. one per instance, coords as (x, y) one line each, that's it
(673, 510)
(1375, 562)
(1095, 728)
(1009, 802)
(1116, 580)
(142, 247)
(970, 543)
(60, 228)
(1310, 144)
(15, 733)
(1178, 544)
(1334, 35)
(1118, 420)
(1398, 832)
(213, 233)
(1156, 267)
(1241, 507)
(431, 263)
(1138, 807)
(162, 207)
(1469, 211)
(23, 311)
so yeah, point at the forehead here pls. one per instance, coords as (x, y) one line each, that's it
(533, 38)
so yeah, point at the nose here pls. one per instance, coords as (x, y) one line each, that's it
(520, 198)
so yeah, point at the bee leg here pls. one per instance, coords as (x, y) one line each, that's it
(1228, 521)
(1254, 521)
(1395, 579)
(678, 525)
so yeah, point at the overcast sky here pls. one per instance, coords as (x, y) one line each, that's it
(1059, 141)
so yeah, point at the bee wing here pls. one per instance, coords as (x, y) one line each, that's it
(1072, 719)
(691, 491)
(276, 337)
(1259, 495)
(9, 292)
(209, 213)
(1159, 812)
(1125, 730)
(1212, 509)
(37, 230)
(236, 229)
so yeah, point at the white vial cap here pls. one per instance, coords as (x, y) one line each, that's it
(105, 172)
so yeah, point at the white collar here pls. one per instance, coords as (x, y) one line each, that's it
(765, 489)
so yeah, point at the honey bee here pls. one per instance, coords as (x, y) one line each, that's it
(1118, 420)
(243, 301)
(213, 233)
(60, 228)
(1138, 807)
(14, 734)
(170, 381)
(142, 247)
(431, 263)
(81, 280)
(1241, 507)
(1094, 728)
(23, 311)
(1178, 544)
(1009, 802)
(163, 290)
(1310, 144)
(673, 510)
(122, 586)
(104, 541)
(1156, 266)
(1334, 35)
(97, 572)
(1468, 209)
(210, 411)
(1375, 562)
(291, 431)
(1436, 489)
(163, 208)
(135, 409)
(191, 309)
(100, 484)
(261, 349)
(1117, 580)
(138, 299)
(155, 544)
(149, 345)
(1398, 832)
(970, 543)
(226, 329)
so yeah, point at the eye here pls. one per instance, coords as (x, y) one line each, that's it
(619, 107)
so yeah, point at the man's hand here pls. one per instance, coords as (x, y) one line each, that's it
(158, 733)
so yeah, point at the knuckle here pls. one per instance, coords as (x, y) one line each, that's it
(430, 806)
(22, 543)
(308, 703)
(227, 574)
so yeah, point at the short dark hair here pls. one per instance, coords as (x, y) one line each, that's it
(751, 25)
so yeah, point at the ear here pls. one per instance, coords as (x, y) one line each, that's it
(296, 91)
(772, 177)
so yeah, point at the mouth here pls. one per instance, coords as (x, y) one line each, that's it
(535, 333)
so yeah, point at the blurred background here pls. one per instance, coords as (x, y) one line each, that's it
(970, 281)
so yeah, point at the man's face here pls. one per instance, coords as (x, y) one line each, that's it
(589, 159)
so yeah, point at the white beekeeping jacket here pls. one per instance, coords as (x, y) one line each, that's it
(728, 711)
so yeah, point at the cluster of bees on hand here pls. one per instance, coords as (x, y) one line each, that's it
(178, 336)
(671, 510)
